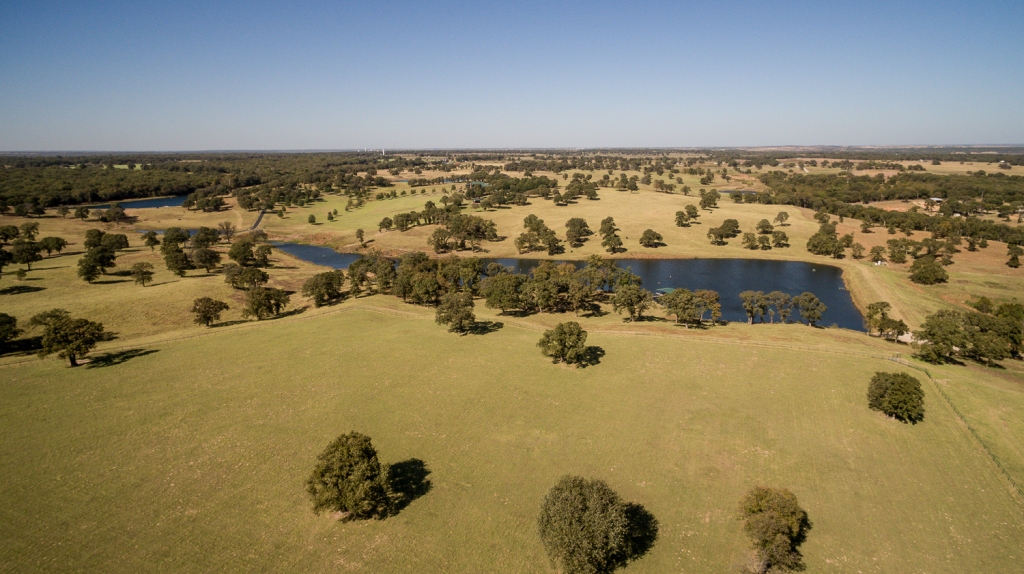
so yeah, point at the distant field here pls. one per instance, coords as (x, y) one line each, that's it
(191, 456)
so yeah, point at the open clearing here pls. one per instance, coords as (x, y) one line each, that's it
(145, 466)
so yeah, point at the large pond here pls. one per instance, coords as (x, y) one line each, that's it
(174, 201)
(726, 276)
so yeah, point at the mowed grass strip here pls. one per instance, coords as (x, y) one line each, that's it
(192, 458)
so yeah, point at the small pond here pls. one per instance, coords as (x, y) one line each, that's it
(726, 276)
(174, 201)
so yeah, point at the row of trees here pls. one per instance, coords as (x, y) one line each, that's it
(757, 304)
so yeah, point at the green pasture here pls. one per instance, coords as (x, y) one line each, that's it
(190, 456)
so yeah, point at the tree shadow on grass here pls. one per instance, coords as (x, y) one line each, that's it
(643, 532)
(25, 346)
(110, 281)
(111, 359)
(484, 327)
(293, 312)
(650, 319)
(19, 289)
(591, 356)
(228, 323)
(409, 479)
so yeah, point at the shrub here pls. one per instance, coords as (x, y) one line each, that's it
(348, 478)
(898, 395)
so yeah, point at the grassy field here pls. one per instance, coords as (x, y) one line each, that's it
(144, 466)
(974, 274)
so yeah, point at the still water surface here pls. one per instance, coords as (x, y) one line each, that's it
(726, 276)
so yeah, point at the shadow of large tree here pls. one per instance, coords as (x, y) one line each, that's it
(409, 480)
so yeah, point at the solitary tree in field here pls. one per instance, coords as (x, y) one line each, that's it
(650, 238)
(348, 478)
(456, 311)
(359, 236)
(69, 338)
(207, 310)
(311, 219)
(781, 218)
(764, 227)
(142, 272)
(586, 528)
(777, 526)
(898, 395)
(565, 343)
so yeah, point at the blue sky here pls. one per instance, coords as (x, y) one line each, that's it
(337, 75)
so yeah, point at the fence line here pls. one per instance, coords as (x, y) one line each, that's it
(963, 419)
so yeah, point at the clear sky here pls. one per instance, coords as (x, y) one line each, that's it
(209, 75)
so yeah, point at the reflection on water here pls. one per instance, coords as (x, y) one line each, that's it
(726, 276)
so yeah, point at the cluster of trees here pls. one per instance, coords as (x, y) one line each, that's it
(101, 253)
(757, 304)
(983, 337)
(461, 232)
(877, 320)
(718, 235)
(690, 307)
(25, 249)
(898, 395)
(688, 215)
(964, 198)
(538, 236)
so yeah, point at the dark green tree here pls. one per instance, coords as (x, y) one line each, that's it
(811, 308)
(8, 329)
(633, 299)
(206, 258)
(262, 302)
(349, 478)
(176, 260)
(25, 252)
(456, 311)
(207, 310)
(925, 271)
(565, 343)
(898, 395)
(324, 287)
(142, 272)
(650, 238)
(151, 239)
(51, 244)
(777, 526)
(586, 528)
(69, 338)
